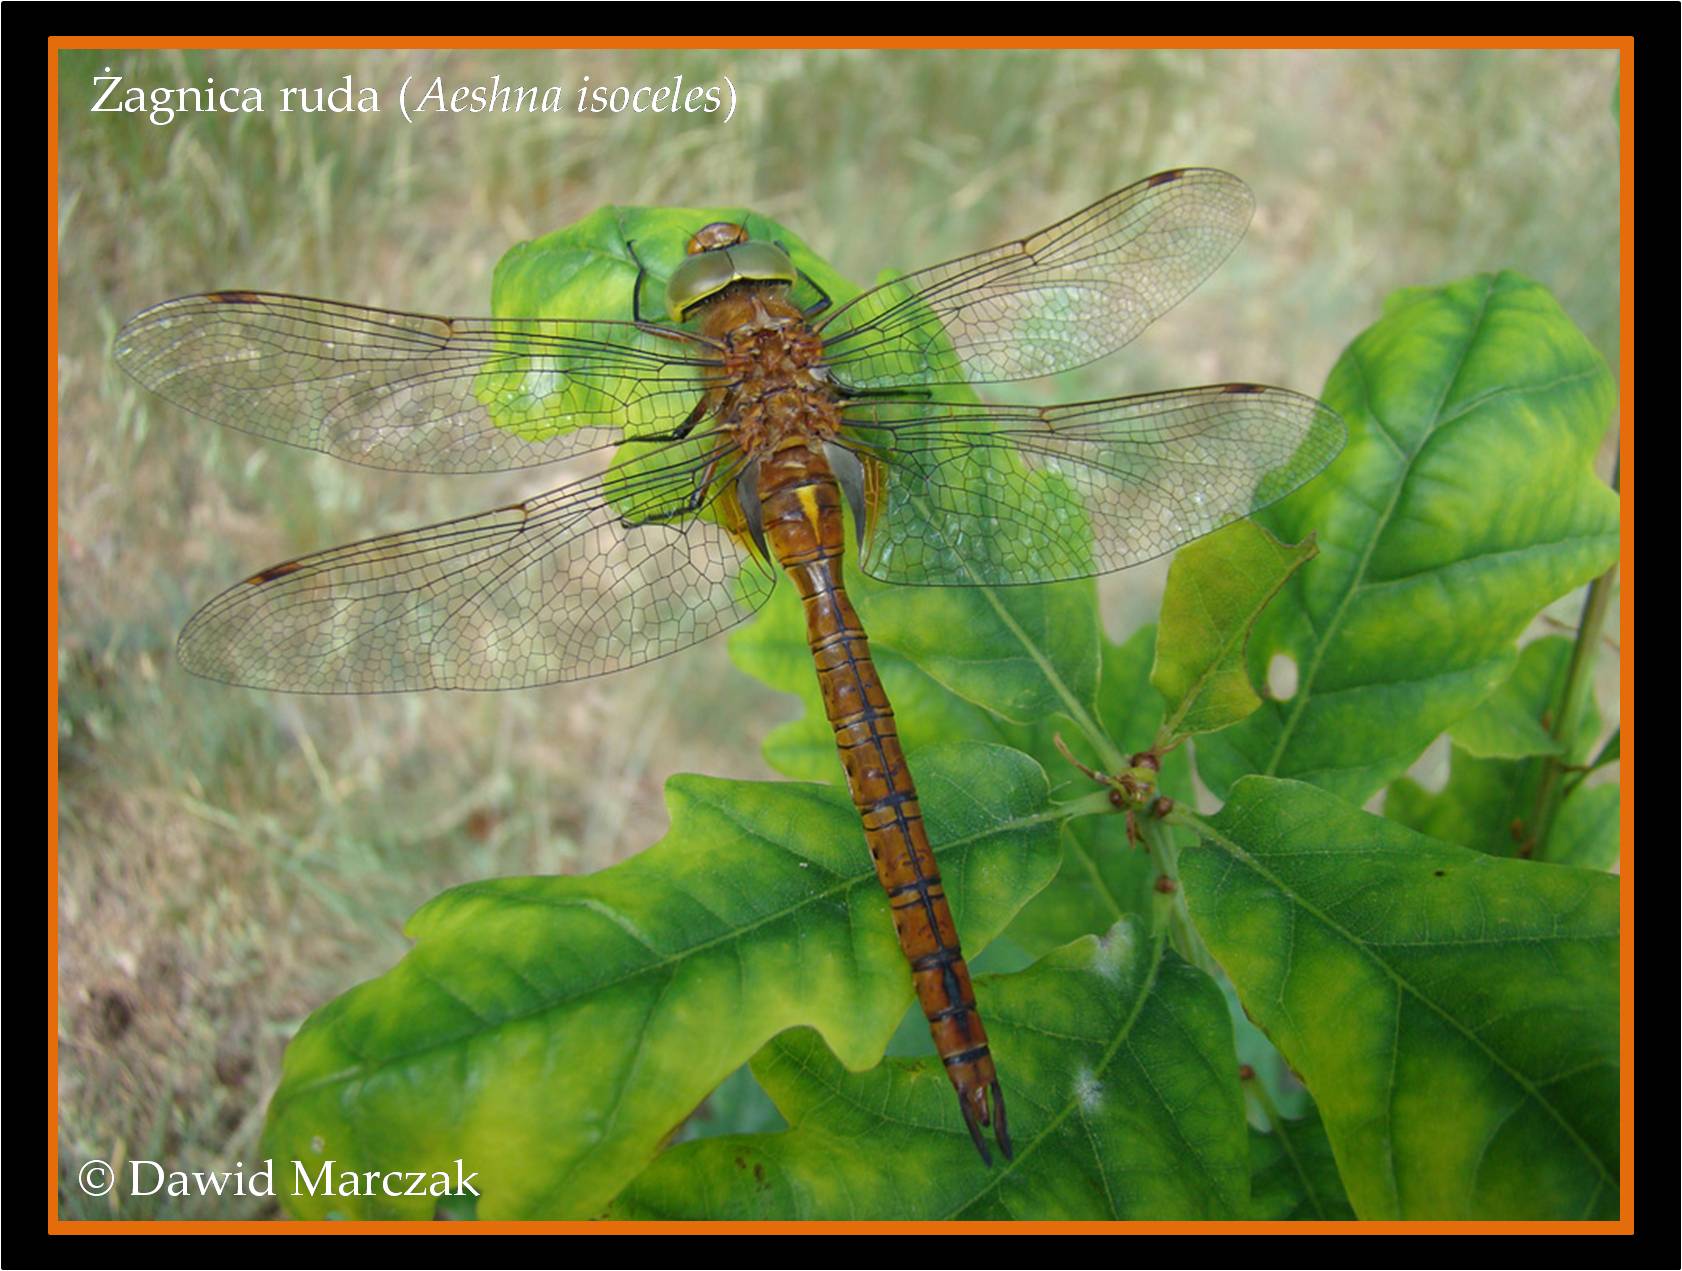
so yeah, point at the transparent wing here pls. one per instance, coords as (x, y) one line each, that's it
(1064, 297)
(589, 578)
(409, 391)
(965, 494)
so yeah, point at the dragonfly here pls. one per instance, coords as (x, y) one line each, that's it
(746, 430)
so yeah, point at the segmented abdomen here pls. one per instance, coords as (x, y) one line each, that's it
(801, 511)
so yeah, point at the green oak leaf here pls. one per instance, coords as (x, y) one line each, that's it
(1454, 1015)
(1487, 803)
(1293, 1174)
(1123, 1096)
(552, 1032)
(1217, 588)
(1464, 502)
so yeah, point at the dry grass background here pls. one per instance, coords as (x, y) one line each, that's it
(231, 860)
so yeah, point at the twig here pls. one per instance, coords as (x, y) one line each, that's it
(1579, 687)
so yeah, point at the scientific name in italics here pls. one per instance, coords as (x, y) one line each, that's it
(416, 98)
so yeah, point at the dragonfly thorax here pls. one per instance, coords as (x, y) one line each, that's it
(775, 387)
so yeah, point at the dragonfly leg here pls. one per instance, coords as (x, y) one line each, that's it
(636, 287)
(687, 508)
(665, 516)
(822, 302)
(688, 425)
(898, 394)
(701, 411)
(654, 328)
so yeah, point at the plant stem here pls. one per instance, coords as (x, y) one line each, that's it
(1573, 701)
(1171, 906)
(1097, 803)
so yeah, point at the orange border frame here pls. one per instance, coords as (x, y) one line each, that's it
(1624, 1225)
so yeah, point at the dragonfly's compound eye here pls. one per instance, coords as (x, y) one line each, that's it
(718, 234)
(704, 274)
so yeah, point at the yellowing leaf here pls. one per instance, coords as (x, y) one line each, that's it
(1217, 588)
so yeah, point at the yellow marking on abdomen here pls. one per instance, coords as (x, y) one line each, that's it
(808, 496)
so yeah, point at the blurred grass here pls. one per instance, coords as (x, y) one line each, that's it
(230, 860)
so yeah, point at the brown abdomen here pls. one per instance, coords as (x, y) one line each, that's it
(801, 509)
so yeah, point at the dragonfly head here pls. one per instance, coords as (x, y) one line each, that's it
(714, 237)
(719, 255)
